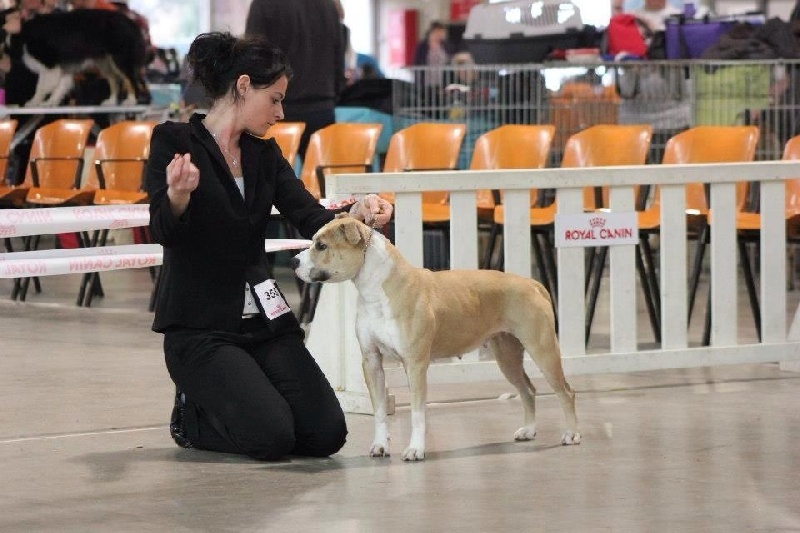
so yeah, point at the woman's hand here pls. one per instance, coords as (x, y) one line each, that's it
(373, 210)
(182, 178)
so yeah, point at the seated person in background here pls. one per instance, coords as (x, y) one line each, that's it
(367, 67)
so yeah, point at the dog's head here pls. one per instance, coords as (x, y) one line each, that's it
(336, 252)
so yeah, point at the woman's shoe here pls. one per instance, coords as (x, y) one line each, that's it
(177, 422)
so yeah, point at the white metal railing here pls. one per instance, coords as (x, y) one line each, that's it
(332, 335)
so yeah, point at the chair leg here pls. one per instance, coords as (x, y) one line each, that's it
(26, 283)
(314, 295)
(597, 269)
(649, 292)
(749, 281)
(309, 297)
(589, 258)
(706, 341)
(494, 231)
(84, 241)
(697, 266)
(652, 273)
(538, 255)
(21, 285)
(550, 263)
(304, 313)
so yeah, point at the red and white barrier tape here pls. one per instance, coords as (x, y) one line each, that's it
(103, 258)
(79, 260)
(46, 221)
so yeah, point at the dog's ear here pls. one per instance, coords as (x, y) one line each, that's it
(355, 232)
(343, 214)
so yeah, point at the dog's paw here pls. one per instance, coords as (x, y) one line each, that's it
(570, 438)
(413, 454)
(379, 450)
(525, 433)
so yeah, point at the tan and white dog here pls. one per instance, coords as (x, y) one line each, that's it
(416, 315)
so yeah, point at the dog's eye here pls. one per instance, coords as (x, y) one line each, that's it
(321, 246)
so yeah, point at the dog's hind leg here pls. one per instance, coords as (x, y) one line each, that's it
(111, 73)
(372, 365)
(545, 351)
(61, 90)
(507, 351)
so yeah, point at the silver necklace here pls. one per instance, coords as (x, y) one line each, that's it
(234, 161)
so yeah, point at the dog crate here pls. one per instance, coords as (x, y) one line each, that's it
(522, 31)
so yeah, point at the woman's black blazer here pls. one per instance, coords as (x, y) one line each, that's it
(218, 243)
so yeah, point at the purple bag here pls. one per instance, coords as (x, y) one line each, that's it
(688, 39)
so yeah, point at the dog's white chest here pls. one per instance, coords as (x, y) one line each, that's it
(376, 327)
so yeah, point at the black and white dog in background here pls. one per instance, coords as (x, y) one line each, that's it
(58, 45)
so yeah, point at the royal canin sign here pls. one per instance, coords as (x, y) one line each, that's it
(596, 229)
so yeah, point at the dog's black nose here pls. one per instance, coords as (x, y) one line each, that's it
(294, 263)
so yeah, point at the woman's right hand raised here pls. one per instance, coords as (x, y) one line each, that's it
(182, 178)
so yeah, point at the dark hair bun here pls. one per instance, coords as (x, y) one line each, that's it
(211, 56)
(218, 59)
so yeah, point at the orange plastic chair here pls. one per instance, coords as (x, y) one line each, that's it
(343, 148)
(336, 149)
(598, 146)
(700, 144)
(704, 144)
(287, 135)
(426, 146)
(8, 195)
(56, 164)
(53, 176)
(120, 153)
(748, 226)
(511, 146)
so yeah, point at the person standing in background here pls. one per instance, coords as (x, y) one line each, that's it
(349, 53)
(654, 14)
(310, 34)
(432, 52)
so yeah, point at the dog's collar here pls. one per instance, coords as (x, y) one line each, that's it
(369, 237)
(369, 240)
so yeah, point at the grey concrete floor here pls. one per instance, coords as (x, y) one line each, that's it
(84, 445)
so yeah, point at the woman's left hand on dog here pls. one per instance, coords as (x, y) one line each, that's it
(373, 210)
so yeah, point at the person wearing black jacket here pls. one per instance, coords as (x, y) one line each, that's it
(310, 33)
(245, 382)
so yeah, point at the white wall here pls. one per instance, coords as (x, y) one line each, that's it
(229, 15)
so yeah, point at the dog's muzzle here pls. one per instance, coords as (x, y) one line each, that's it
(304, 270)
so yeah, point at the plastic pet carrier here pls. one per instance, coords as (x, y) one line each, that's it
(522, 31)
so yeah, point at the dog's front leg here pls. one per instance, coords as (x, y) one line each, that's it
(417, 373)
(46, 84)
(372, 365)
